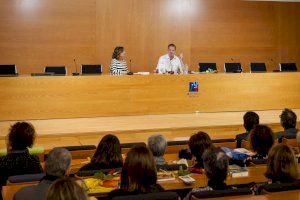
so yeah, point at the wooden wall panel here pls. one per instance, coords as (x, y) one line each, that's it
(52, 32)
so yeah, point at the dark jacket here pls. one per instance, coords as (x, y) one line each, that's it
(36, 192)
(240, 137)
(287, 132)
(18, 163)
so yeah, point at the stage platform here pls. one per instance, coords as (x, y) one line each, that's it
(84, 131)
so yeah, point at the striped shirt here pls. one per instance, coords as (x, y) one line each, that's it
(118, 67)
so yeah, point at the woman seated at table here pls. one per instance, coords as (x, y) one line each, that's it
(18, 161)
(198, 143)
(157, 145)
(261, 141)
(216, 165)
(281, 164)
(138, 174)
(107, 156)
(118, 64)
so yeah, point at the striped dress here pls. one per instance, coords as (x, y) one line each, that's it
(118, 67)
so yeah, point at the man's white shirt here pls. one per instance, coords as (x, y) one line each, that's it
(165, 65)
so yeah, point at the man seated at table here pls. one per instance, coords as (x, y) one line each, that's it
(288, 120)
(170, 63)
(57, 165)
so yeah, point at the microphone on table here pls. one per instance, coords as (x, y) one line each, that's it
(76, 72)
(130, 72)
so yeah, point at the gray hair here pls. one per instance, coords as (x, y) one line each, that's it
(58, 162)
(157, 144)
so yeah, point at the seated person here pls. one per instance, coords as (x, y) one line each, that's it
(198, 143)
(261, 141)
(170, 63)
(18, 161)
(251, 119)
(288, 120)
(281, 164)
(66, 189)
(157, 145)
(216, 165)
(118, 65)
(139, 174)
(57, 166)
(107, 156)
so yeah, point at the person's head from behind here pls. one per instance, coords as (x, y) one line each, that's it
(58, 162)
(281, 164)
(139, 170)
(198, 143)
(108, 151)
(119, 53)
(21, 136)
(171, 50)
(157, 144)
(288, 119)
(215, 165)
(251, 119)
(66, 189)
(261, 139)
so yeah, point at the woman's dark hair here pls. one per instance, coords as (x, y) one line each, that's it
(117, 52)
(21, 135)
(66, 189)
(288, 119)
(281, 164)
(215, 164)
(261, 139)
(251, 119)
(198, 143)
(139, 170)
(108, 152)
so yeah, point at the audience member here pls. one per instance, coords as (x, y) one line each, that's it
(139, 174)
(251, 119)
(157, 145)
(198, 143)
(107, 156)
(57, 166)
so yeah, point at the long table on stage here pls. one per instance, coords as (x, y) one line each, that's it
(80, 110)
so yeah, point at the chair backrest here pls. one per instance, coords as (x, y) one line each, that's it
(80, 152)
(279, 187)
(25, 178)
(258, 67)
(230, 143)
(203, 67)
(288, 67)
(150, 196)
(220, 193)
(8, 70)
(127, 146)
(171, 167)
(57, 70)
(91, 69)
(233, 67)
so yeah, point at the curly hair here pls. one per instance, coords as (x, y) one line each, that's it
(288, 119)
(117, 52)
(21, 135)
